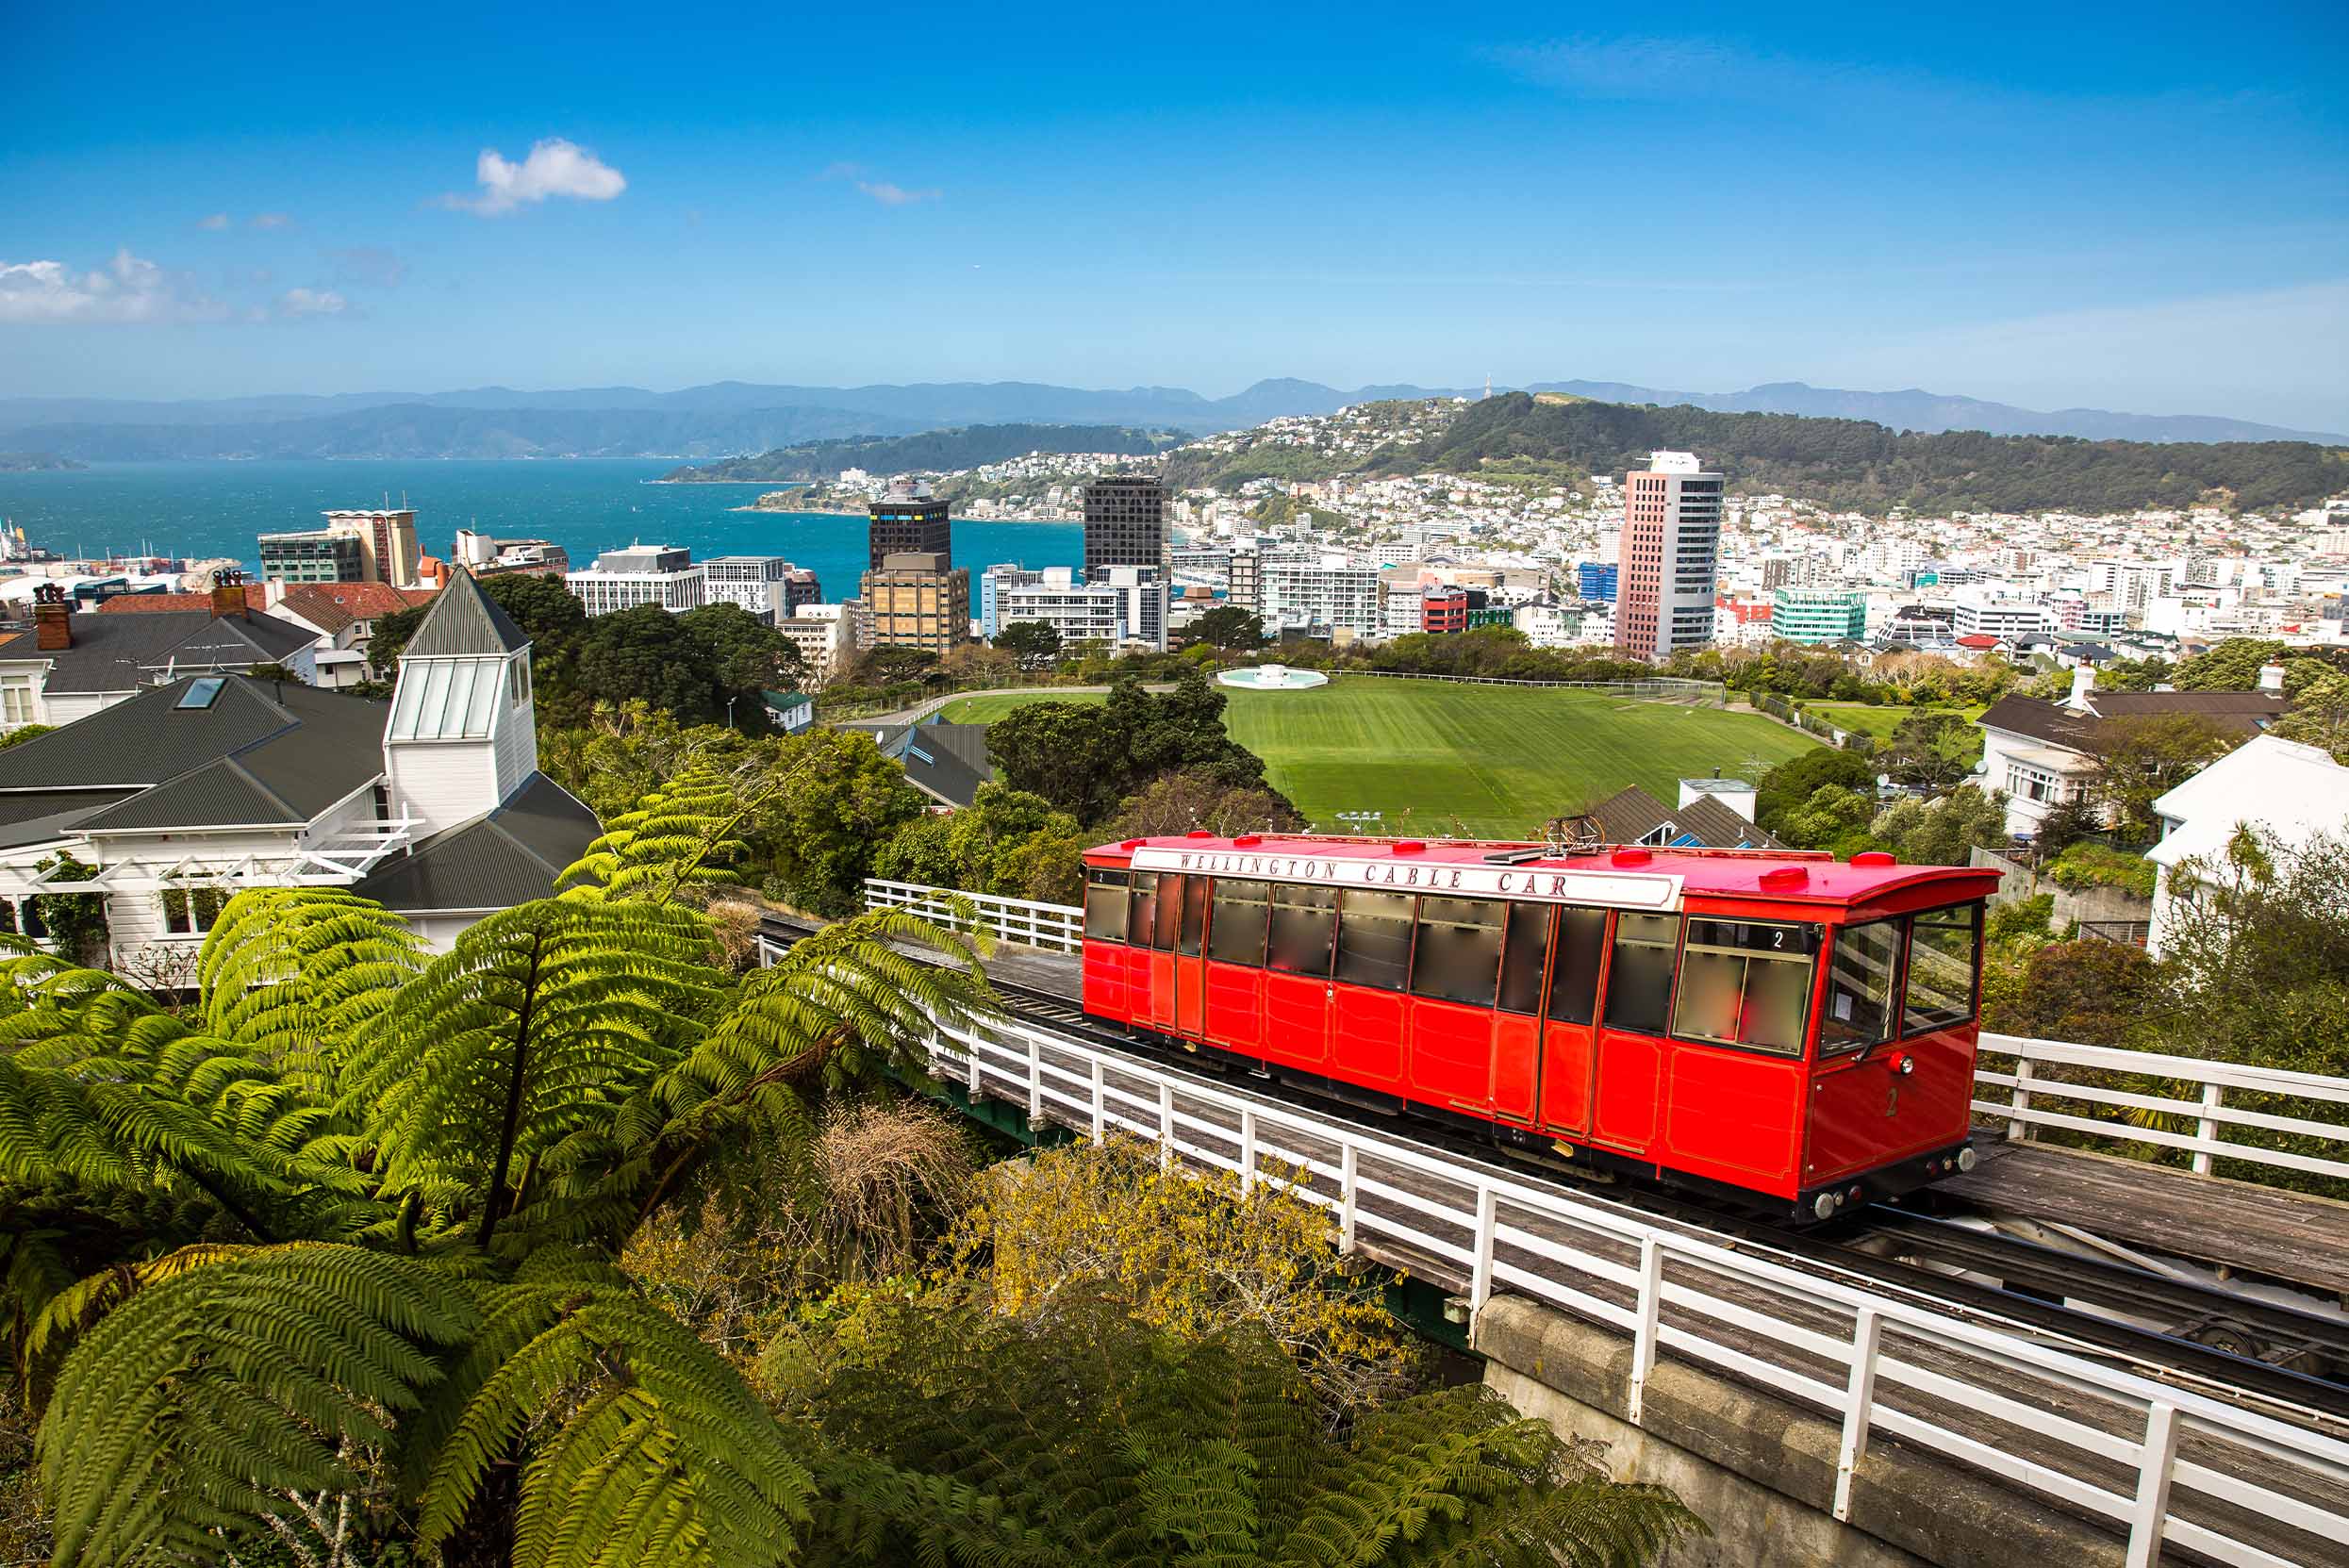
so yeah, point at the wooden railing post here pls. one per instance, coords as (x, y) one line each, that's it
(1248, 1152)
(1859, 1398)
(1166, 1125)
(2155, 1461)
(2019, 1130)
(2213, 1095)
(1101, 1103)
(1348, 1170)
(1649, 1306)
(1480, 1266)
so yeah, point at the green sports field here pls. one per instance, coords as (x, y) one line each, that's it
(1490, 760)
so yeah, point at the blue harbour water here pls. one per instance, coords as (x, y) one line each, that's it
(201, 510)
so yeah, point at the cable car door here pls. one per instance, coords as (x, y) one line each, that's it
(1190, 964)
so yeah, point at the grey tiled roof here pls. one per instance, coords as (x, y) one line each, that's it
(2246, 712)
(261, 754)
(1632, 814)
(123, 652)
(505, 857)
(949, 761)
(464, 621)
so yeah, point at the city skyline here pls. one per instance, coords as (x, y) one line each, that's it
(2126, 214)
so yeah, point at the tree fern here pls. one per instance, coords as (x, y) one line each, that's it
(679, 836)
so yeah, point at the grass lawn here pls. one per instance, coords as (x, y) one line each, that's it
(1485, 760)
(1881, 721)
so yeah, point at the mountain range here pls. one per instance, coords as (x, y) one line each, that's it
(731, 417)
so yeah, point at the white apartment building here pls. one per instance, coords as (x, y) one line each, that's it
(825, 634)
(1128, 605)
(767, 586)
(1312, 590)
(640, 574)
(1982, 613)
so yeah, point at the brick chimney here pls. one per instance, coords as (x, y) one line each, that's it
(53, 618)
(228, 592)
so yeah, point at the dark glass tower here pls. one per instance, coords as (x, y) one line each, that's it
(908, 521)
(1125, 523)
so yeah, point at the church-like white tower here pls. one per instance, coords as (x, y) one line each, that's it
(463, 735)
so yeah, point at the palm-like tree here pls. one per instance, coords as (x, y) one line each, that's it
(347, 1228)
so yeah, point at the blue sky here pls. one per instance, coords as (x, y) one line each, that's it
(2117, 206)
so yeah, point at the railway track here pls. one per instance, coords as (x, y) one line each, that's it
(2248, 1351)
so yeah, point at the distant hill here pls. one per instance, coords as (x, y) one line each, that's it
(1933, 412)
(427, 431)
(965, 448)
(1865, 465)
(730, 417)
(33, 462)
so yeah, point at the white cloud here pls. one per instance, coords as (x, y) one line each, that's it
(129, 290)
(895, 195)
(554, 168)
(272, 220)
(312, 302)
(216, 222)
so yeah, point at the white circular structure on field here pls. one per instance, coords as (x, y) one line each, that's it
(1273, 677)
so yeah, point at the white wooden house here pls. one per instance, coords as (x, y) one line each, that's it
(189, 790)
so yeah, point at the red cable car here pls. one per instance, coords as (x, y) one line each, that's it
(1793, 1028)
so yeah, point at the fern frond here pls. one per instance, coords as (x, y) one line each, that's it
(234, 1378)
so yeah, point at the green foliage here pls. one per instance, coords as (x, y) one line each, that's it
(74, 922)
(24, 732)
(1086, 758)
(1851, 463)
(841, 801)
(348, 1228)
(2318, 716)
(2092, 992)
(2019, 917)
(1835, 817)
(1229, 628)
(1930, 749)
(1034, 643)
(1944, 832)
(2142, 758)
(1790, 786)
(1006, 841)
(2085, 863)
(1180, 802)
(1107, 1441)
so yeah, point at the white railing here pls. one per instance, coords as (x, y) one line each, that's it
(2023, 1103)
(2153, 1462)
(1059, 927)
(2016, 1096)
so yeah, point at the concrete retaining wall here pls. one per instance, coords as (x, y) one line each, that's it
(2089, 903)
(1760, 1471)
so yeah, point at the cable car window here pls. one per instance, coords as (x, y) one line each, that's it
(1303, 921)
(1859, 988)
(1457, 955)
(1374, 939)
(1745, 984)
(1574, 974)
(1521, 958)
(1106, 896)
(1942, 945)
(1143, 921)
(1194, 916)
(1639, 981)
(1237, 934)
(1170, 910)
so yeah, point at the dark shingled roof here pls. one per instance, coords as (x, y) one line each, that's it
(262, 752)
(2052, 723)
(505, 857)
(123, 652)
(946, 761)
(1631, 814)
(464, 622)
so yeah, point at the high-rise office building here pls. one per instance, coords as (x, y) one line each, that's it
(1818, 615)
(1669, 557)
(1125, 523)
(918, 601)
(640, 574)
(767, 586)
(387, 542)
(908, 521)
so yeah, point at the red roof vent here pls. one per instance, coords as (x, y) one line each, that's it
(1873, 857)
(1134, 844)
(1248, 841)
(1409, 846)
(1631, 854)
(1199, 833)
(1782, 879)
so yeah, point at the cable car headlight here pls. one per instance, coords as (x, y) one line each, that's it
(1823, 1206)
